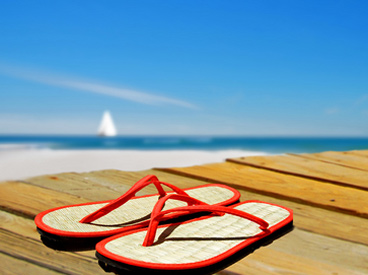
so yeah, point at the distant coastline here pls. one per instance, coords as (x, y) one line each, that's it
(23, 156)
(272, 145)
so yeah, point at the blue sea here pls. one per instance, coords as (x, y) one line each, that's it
(270, 145)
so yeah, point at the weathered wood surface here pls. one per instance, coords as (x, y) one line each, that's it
(289, 187)
(28, 200)
(330, 220)
(310, 168)
(348, 159)
(363, 153)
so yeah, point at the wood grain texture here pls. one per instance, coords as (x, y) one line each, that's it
(284, 263)
(15, 266)
(363, 153)
(18, 246)
(319, 253)
(28, 200)
(305, 216)
(330, 220)
(27, 228)
(318, 220)
(105, 184)
(288, 187)
(95, 186)
(347, 159)
(309, 168)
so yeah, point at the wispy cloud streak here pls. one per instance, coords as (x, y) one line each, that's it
(92, 87)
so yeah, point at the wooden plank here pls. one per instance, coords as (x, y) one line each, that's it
(269, 262)
(95, 186)
(266, 261)
(347, 159)
(19, 225)
(318, 253)
(35, 252)
(314, 219)
(363, 153)
(29, 200)
(323, 249)
(27, 228)
(288, 187)
(318, 220)
(309, 168)
(106, 184)
(306, 217)
(15, 266)
(313, 253)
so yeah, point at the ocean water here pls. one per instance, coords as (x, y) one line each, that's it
(271, 145)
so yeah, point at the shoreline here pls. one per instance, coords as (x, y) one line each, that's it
(20, 163)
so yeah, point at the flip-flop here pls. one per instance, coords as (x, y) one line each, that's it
(81, 226)
(202, 245)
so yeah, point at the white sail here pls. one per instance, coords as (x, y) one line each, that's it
(107, 127)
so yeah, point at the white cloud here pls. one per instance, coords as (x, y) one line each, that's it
(126, 94)
(93, 87)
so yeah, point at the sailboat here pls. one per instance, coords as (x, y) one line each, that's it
(107, 127)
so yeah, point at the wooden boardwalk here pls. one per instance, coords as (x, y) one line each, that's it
(327, 191)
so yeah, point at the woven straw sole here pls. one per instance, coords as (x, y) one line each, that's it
(64, 221)
(196, 243)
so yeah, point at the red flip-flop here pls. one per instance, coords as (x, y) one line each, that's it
(202, 245)
(81, 226)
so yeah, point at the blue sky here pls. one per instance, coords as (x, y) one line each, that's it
(252, 68)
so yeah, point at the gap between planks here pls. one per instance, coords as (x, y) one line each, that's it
(127, 179)
(316, 253)
(347, 159)
(308, 167)
(283, 186)
(307, 217)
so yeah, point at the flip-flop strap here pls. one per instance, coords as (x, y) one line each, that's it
(150, 179)
(152, 228)
(157, 209)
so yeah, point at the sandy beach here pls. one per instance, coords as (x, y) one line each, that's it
(19, 163)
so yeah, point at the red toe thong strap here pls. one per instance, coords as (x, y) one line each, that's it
(147, 180)
(157, 210)
(157, 217)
